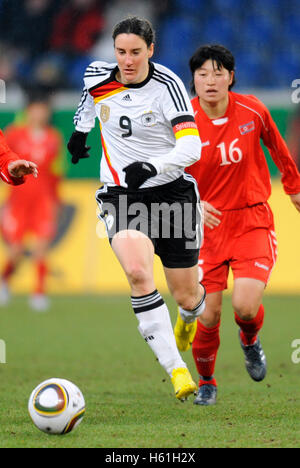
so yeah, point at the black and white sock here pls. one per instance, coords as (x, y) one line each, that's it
(156, 328)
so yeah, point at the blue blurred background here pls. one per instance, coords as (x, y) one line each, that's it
(48, 43)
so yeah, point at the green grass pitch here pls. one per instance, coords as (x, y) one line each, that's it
(94, 342)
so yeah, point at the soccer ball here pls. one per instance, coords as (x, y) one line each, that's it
(56, 406)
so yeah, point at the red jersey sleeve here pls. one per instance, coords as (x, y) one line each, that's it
(290, 176)
(6, 156)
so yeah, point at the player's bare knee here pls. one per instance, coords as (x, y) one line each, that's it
(215, 317)
(211, 316)
(245, 311)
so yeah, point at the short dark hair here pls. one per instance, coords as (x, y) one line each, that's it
(215, 52)
(135, 25)
(38, 96)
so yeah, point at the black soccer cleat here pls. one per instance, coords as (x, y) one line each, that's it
(255, 359)
(207, 395)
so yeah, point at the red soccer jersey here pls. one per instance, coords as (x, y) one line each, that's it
(233, 172)
(42, 149)
(6, 156)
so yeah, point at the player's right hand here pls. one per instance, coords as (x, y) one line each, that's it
(209, 211)
(77, 146)
(296, 200)
(21, 168)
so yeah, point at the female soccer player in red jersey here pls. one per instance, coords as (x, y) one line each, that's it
(234, 184)
(32, 208)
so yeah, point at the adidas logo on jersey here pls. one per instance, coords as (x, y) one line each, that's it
(127, 98)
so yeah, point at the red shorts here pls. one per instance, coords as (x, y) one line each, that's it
(244, 241)
(19, 219)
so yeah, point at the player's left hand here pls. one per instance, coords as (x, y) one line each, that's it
(296, 200)
(137, 173)
(21, 168)
(211, 215)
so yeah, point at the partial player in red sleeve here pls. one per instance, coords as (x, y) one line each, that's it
(31, 209)
(13, 169)
(234, 184)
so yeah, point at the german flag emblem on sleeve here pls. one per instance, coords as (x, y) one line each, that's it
(184, 125)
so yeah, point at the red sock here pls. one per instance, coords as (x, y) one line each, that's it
(42, 270)
(211, 381)
(250, 328)
(205, 348)
(9, 268)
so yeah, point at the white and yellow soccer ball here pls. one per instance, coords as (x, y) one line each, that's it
(56, 406)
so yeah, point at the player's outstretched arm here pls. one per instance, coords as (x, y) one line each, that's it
(21, 167)
(296, 200)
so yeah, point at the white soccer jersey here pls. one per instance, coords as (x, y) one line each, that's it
(151, 121)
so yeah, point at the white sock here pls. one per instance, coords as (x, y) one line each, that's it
(156, 328)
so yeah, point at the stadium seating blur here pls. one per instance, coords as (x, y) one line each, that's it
(263, 35)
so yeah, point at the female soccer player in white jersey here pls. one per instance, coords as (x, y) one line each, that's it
(148, 137)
